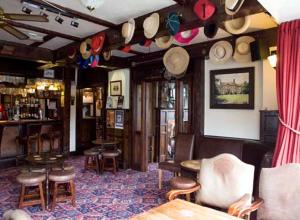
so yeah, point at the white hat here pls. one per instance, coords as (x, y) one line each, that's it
(176, 61)
(220, 52)
(238, 25)
(151, 25)
(164, 42)
(242, 52)
(233, 6)
(128, 30)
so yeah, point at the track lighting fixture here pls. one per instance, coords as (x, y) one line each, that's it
(26, 10)
(59, 19)
(43, 12)
(74, 23)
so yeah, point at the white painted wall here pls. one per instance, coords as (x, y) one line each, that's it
(269, 87)
(124, 76)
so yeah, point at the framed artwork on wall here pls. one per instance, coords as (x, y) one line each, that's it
(119, 120)
(232, 88)
(116, 88)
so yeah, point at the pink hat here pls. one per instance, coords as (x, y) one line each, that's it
(186, 37)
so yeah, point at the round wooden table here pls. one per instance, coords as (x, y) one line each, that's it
(46, 160)
(105, 142)
(192, 166)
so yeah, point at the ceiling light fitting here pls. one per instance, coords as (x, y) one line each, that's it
(26, 10)
(74, 23)
(59, 19)
(43, 12)
(92, 4)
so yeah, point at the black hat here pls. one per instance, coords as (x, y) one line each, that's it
(210, 29)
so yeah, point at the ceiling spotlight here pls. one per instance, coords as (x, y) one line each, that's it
(74, 23)
(43, 13)
(26, 10)
(59, 19)
(92, 4)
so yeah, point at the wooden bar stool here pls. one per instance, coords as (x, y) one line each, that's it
(63, 178)
(50, 134)
(92, 160)
(110, 161)
(31, 180)
(32, 138)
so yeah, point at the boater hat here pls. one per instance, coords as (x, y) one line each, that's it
(242, 52)
(176, 61)
(233, 6)
(204, 9)
(151, 25)
(128, 30)
(186, 37)
(220, 52)
(238, 25)
(164, 42)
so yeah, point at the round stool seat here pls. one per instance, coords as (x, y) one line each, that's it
(66, 166)
(91, 152)
(27, 169)
(182, 183)
(110, 153)
(61, 175)
(31, 178)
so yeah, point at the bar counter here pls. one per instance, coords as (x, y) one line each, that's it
(28, 121)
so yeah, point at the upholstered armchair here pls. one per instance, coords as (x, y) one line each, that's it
(224, 182)
(184, 146)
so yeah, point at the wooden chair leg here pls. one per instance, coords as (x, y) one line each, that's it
(42, 196)
(22, 196)
(159, 178)
(188, 197)
(54, 196)
(72, 186)
(97, 164)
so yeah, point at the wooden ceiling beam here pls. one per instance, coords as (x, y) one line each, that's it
(42, 30)
(71, 13)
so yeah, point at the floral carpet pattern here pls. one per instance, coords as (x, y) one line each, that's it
(105, 196)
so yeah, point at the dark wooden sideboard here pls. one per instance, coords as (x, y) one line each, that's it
(268, 126)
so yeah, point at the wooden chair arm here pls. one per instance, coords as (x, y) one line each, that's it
(241, 208)
(171, 195)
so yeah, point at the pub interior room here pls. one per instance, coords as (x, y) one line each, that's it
(149, 109)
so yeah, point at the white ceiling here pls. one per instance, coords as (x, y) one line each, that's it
(7, 37)
(118, 11)
(56, 43)
(282, 10)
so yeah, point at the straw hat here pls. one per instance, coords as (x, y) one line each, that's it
(128, 30)
(176, 61)
(151, 25)
(164, 42)
(238, 25)
(233, 6)
(220, 52)
(85, 49)
(242, 52)
(185, 37)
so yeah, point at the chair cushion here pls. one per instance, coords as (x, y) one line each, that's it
(169, 165)
(110, 153)
(66, 166)
(31, 178)
(61, 175)
(182, 183)
(91, 152)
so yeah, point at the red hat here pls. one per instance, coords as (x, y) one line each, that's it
(204, 9)
(126, 48)
(97, 43)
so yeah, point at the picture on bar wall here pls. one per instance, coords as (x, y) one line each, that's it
(119, 120)
(116, 88)
(232, 88)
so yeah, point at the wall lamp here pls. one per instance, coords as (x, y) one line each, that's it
(273, 57)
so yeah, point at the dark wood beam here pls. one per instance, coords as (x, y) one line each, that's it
(46, 38)
(24, 52)
(72, 13)
(42, 30)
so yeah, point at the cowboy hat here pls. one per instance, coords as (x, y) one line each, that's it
(242, 52)
(210, 29)
(128, 30)
(151, 25)
(164, 42)
(97, 43)
(238, 25)
(173, 23)
(106, 55)
(204, 9)
(220, 52)
(176, 61)
(186, 37)
(233, 6)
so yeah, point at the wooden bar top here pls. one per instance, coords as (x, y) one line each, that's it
(179, 209)
(27, 121)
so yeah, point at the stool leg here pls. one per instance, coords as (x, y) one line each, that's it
(86, 162)
(22, 196)
(97, 164)
(159, 178)
(114, 165)
(42, 196)
(72, 186)
(54, 196)
(103, 164)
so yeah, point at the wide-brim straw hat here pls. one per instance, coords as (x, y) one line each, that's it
(151, 25)
(238, 25)
(220, 52)
(233, 6)
(242, 52)
(164, 42)
(176, 61)
(128, 29)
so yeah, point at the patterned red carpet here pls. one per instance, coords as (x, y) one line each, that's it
(106, 196)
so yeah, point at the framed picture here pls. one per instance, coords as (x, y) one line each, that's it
(232, 88)
(116, 88)
(119, 120)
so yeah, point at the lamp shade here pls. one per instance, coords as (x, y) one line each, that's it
(273, 60)
(92, 4)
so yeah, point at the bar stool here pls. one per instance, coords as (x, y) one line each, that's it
(110, 161)
(65, 166)
(63, 178)
(50, 134)
(31, 179)
(93, 159)
(32, 137)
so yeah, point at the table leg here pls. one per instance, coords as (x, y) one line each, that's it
(47, 189)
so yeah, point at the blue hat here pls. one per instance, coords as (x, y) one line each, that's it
(173, 23)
